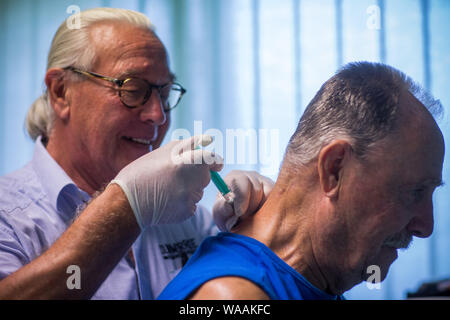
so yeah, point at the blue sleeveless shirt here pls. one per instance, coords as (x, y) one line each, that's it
(229, 254)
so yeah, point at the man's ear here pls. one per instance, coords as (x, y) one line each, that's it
(331, 163)
(57, 92)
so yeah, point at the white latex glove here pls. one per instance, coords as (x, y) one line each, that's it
(250, 191)
(165, 185)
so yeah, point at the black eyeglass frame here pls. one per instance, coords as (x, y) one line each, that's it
(119, 83)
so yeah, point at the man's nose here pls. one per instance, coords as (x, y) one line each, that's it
(152, 110)
(422, 223)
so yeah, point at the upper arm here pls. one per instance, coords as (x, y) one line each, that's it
(229, 288)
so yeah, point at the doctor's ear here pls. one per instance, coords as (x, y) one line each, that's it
(332, 161)
(57, 92)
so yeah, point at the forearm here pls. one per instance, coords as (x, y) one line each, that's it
(95, 242)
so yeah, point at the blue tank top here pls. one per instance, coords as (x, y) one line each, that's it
(229, 254)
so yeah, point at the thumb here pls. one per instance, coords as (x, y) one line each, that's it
(194, 142)
(223, 214)
(187, 145)
(199, 156)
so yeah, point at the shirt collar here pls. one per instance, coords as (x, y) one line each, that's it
(64, 195)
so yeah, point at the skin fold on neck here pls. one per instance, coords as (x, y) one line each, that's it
(283, 226)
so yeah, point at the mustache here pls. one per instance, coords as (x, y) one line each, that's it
(401, 240)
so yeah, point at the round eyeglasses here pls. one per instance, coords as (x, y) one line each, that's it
(134, 92)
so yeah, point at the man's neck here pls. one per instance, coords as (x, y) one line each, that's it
(82, 179)
(283, 225)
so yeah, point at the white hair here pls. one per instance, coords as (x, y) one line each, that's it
(71, 47)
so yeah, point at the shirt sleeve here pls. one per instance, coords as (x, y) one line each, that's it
(12, 255)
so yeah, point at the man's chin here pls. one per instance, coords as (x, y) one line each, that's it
(381, 263)
(389, 255)
(129, 158)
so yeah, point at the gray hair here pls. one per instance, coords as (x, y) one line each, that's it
(360, 104)
(71, 47)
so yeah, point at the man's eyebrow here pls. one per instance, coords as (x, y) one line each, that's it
(436, 182)
(128, 74)
(134, 73)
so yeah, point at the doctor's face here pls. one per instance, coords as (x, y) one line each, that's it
(106, 134)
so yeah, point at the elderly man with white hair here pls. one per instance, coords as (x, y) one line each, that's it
(107, 104)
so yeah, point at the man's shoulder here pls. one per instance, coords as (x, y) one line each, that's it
(229, 288)
(17, 176)
(18, 189)
(221, 264)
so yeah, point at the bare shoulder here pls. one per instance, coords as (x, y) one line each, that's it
(229, 288)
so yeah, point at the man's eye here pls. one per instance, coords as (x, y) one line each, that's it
(165, 93)
(413, 196)
(417, 195)
(131, 92)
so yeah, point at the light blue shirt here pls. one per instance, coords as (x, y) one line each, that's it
(37, 204)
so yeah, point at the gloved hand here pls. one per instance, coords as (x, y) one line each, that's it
(165, 185)
(250, 191)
